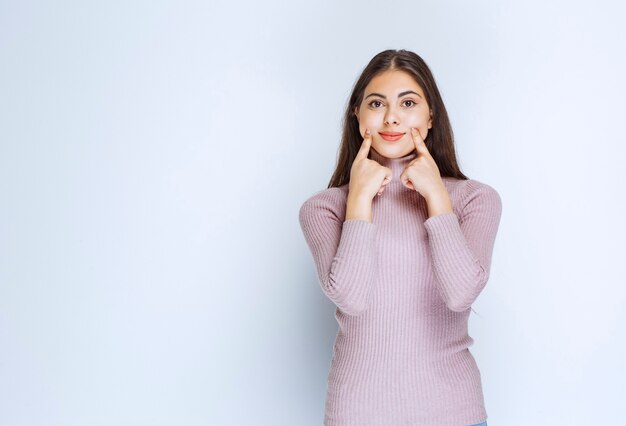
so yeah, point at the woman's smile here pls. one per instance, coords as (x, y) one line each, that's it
(391, 136)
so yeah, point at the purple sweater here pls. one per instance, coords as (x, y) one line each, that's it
(403, 286)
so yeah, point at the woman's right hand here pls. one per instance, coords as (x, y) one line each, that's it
(367, 177)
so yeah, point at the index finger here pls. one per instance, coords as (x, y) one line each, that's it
(365, 146)
(420, 146)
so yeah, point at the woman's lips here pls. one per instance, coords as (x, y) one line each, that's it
(391, 136)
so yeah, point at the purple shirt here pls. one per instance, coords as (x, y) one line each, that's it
(403, 286)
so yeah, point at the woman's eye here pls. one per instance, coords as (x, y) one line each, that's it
(408, 103)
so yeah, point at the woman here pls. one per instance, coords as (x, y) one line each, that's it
(402, 243)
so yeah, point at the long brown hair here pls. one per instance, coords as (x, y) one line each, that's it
(440, 138)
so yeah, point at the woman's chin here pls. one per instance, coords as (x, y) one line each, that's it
(394, 151)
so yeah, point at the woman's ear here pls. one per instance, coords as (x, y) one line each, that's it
(430, 120)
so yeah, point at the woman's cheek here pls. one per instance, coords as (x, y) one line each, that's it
(421, 125)
(421, 129)
(364, 124)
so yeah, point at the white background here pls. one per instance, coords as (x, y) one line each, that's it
(154, 156)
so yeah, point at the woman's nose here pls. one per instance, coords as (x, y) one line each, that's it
(391, 117)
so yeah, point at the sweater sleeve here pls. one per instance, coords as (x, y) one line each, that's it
(461, 247)
(344, 253)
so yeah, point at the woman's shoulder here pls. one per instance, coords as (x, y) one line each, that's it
(467, 184)
(329, 194)
(463, 191)
(330, 199)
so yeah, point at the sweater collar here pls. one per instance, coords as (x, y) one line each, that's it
(397, 165)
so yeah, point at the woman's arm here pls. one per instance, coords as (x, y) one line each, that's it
(344, 251)
(461, 247)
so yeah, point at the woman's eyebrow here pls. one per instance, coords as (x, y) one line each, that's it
(399, 95)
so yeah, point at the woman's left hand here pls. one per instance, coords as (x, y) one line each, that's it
(422, 174)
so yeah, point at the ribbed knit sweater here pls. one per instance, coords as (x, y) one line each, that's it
(403, 286)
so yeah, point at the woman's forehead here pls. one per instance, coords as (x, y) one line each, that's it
(393, 83)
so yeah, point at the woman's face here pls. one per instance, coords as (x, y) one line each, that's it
(393, 102)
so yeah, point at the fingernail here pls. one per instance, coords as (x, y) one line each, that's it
(367, 131)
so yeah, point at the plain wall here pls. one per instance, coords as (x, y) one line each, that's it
(153, 158)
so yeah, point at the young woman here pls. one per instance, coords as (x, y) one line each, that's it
(402, 242)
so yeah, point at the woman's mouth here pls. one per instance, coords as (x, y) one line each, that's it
(391, 136)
